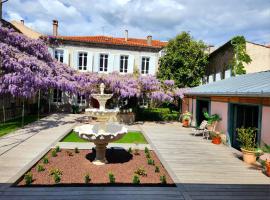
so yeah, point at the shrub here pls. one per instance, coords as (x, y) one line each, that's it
(150, 161)
(163, 179)
(148, 155)
(140, 171)
(111, 178)
(146, 150)
(28, 178)
(45, 160)
(136, 179)
(76, 150)
(157, 169)
(56, 173)
(136, 152)
(57, 149)
(156, 114)
(130, 150)
(247, 138)
(54, 154)
(211, 118)
(40, 168)
(87, 178)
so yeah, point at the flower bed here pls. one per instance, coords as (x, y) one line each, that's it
(74, 167)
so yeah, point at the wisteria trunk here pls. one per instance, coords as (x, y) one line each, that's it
(4, 114)
(23, 114)
(38, 103)
(49, 100)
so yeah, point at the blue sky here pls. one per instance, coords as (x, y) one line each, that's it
(213, 21)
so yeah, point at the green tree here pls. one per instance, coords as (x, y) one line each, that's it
(184, 61)
(240, 55)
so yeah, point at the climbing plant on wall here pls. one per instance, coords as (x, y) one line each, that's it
(240, 55)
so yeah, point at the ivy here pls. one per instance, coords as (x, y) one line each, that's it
(240, 55)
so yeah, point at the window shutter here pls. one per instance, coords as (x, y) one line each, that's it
(110, 62)
(66, 56)
(152, 65)
(130, 63)
(116, 66)
(89, 61)
(75, 60)
(51, 51)
(96, 62)
(228, 73)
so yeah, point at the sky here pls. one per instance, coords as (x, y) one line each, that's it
(213, 21)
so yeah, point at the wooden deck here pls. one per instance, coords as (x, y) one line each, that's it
(200, 169)
(203, 170)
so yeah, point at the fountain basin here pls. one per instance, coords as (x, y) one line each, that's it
(101, 135)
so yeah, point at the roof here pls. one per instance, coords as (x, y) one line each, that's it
(252, 85)
(26, 30)
(5, 23)
(135, 42)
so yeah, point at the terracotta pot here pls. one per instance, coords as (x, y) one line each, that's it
(267, 168)
(186, 123)
(216, 140)
(249, 157)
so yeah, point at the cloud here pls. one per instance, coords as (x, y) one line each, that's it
(215, 22)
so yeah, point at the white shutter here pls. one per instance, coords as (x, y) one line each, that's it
(152, 65)
(96, 62)
(116, 66)
(218, 76)
(66, 56)
(75, 60)
(228, 73)
(130, 63)
(211, 79)
(89, 61)
(51, 51)
(110, 62)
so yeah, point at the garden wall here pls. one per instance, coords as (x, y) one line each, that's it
(220, 108)
(265, 132)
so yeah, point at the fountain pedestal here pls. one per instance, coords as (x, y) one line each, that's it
(100, 154)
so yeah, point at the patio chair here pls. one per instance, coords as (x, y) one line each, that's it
(202, 129)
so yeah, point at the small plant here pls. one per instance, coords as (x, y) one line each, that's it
(111, 178)
(28, 178)
(157, 169)
(40, 168)
(211, 118)
(45, 160)
(54, 154)
(148, 155)
(136, 179)
(87, 178)
(140, 171)
(76, 150)
(56, 173)
(146, 150)
(69, 153)
(130, 150)
(150, 162)
(136, 151)
(247, 138)
(163, 179)
(57, 149)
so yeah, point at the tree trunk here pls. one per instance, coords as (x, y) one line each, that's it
(49, 100)
(23, 114)
(38, 103)
(4, 114)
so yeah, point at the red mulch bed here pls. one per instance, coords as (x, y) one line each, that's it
(75, 167)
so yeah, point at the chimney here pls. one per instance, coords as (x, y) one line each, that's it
(22, 21)
(55, 27)
(149, 40)
(126, 35)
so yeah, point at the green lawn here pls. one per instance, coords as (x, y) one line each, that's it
(130, 137)
(14, 124)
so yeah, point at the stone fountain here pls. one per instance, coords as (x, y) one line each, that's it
(101, 113)
(106, 131)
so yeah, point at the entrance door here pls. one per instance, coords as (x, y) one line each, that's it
(243, 116)
(202, 106)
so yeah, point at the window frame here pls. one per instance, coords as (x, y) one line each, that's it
(57, 53)
(145, 65)
(82, 65)
(123, 68)
(105, 62)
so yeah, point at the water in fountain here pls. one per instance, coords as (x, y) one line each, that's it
(105, 132)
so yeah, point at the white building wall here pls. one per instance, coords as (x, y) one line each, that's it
(134, 61)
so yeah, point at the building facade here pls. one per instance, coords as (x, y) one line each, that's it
(242, 101)
(219, 66)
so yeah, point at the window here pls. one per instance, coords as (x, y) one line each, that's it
(57, 96)
(123, 64)
(82, 61)
(145, 65)
(59, 55)
(81, 99)
(103, 63)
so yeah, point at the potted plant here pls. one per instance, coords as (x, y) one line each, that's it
(267, 167)
(186, 118)
(211, 120)
(247, 138)
(216, 139)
